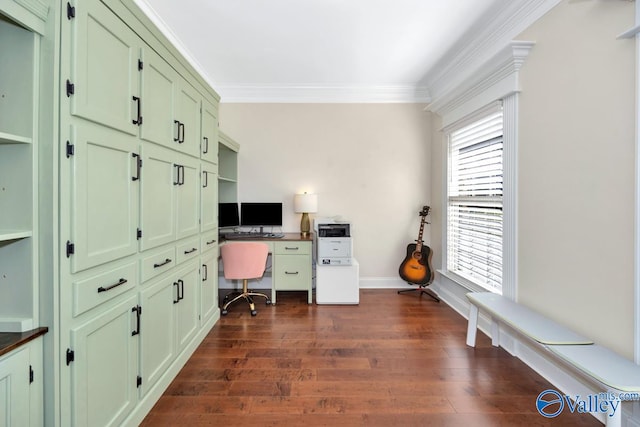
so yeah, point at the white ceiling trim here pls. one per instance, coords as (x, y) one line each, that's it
(323, 94)
(482, 43)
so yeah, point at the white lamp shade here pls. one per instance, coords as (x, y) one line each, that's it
(305, 203)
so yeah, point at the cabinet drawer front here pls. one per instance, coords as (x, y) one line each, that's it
(158, 263)
(95, 290)
(293, 272)
(209, 240)
(295, 248)
(188, 250)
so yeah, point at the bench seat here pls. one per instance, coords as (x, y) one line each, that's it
(524, 320)
(602, 364)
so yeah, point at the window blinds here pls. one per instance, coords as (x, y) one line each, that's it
(474, 231)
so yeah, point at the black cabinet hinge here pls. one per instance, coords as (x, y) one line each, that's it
(140, 65)
(30, 374)
(71, 356)
(71, 248)
(138, 381)
(71, 88)
(70, 149)
(139, 233)
(71, 11)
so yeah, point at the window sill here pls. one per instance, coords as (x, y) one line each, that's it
(461, 281)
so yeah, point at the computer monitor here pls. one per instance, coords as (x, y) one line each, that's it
(260, 214)
(228, 215)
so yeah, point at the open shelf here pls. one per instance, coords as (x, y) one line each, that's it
(6, 138)
(7, 235)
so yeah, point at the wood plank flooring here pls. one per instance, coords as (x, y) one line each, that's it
(393, 360)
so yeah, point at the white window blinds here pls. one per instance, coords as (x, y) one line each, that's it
(474, 229)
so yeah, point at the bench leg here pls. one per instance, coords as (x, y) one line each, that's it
(495, 332)
(472, 326)
(616, 419)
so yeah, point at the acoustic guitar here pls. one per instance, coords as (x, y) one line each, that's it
(416, 267)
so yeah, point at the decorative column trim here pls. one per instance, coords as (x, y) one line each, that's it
(510, 197)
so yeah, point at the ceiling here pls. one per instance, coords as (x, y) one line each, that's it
(292, 50)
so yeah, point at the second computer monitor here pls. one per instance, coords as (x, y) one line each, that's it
(261, 214)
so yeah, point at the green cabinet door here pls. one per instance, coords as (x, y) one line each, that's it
(104, 195)
(104, 67)
(209, 285)
(104, 371)
(187, 196)
(187, 306)
(157, 349)
(209, 142)
(187, 117)
(157, 194)
(14, 388)
(209, 197)
(158, 90)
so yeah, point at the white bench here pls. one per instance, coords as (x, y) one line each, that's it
(610, 371)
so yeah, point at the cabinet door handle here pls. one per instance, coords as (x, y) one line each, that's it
(205, 272)
(205, 148)
(190, 251)
(115, 285)
(178, 181)
(138, 311)
(205, 179)
(180, 289)
(182, 175)
(138, 119)
(175, 285)
(291, 272)
(165, 262)
(210, 242)
(138, 166)
(180, 133)
(177, 137)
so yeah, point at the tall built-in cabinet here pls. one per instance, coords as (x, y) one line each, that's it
(109, 187)
(138, 213)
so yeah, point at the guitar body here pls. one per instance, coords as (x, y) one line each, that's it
(416, 267)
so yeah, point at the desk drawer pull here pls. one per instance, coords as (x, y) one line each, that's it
(291, 272)
(190, 251)
(211, 242)
(108, 288)
(165, 262)
(291, 248)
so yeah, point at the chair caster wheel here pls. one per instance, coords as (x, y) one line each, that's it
(268, 302)
(254, 312)
(224, 312)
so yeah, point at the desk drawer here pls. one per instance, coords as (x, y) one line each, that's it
(292, 272)
(292, 248)
(209, 240)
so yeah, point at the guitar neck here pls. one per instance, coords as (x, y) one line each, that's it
(419, 244)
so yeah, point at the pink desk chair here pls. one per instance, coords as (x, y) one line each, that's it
(244, 261)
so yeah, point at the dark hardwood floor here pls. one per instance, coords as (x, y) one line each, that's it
(393, 360)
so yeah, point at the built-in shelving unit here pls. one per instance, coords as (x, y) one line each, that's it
(227, 168)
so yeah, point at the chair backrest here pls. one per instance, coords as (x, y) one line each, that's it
(244, 260)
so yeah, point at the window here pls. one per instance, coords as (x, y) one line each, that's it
(475, 201)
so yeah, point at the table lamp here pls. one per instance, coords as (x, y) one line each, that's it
(305, 204)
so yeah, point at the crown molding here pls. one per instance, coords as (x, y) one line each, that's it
(481, 43)
(322, 94)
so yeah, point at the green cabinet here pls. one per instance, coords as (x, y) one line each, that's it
(187, 119)
(292, 268)
(209, 197)
(187, 195)
(104, 68)
(158, 93)
(14, 388)
(209, 142)
(209, 285)
(103, 367)
(105, 181)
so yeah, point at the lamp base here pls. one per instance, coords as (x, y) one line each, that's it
(305, 226)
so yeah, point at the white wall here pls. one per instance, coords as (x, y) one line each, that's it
(368, 163)
(576, 170)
